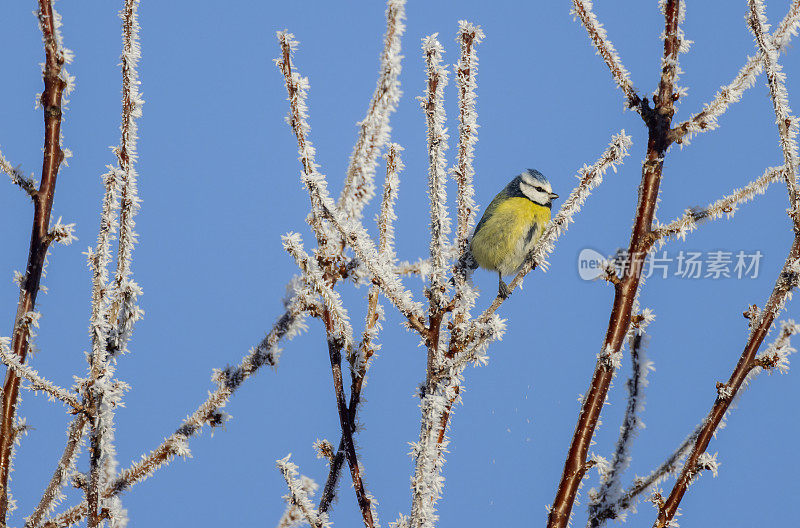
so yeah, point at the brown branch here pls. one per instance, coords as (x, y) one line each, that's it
(658, 122)
(787, 281)
(54, 87)
(335, 353)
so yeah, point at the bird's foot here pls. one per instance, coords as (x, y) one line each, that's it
(504, 290)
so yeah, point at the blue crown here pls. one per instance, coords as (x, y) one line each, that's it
(535, 174)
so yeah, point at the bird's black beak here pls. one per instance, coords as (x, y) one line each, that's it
(553, 196)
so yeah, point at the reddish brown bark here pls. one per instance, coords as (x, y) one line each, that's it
(54, 87)
(658, 120)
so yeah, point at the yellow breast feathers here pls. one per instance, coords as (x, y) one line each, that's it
(508, 234)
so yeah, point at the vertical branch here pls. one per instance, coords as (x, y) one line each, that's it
(114, 309)
(427, 480)
(55, 83)
(466, 72)
(658, 121)
(432, 104)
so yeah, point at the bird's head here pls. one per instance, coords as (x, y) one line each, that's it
(533, 185)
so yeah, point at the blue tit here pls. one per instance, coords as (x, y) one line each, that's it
(512, 224)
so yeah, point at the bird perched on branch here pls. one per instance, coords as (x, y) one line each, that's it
(512, 224)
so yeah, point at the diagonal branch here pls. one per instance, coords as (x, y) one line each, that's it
(17, 177)
(786, 282)
(787, 123)
(597, 34)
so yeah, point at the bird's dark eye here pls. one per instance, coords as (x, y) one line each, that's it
(539, 189)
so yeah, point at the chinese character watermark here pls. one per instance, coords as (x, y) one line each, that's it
(715, 265)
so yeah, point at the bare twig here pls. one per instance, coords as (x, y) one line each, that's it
(55, 84)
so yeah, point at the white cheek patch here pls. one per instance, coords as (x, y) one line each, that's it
(532, 194)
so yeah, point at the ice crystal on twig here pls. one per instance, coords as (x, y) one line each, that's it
(787, 123)
(597, 34)
(433, 105)
(374, 129)
(706, 120)
(298, 493)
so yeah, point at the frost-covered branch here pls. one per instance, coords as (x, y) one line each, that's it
(433, 105)
(727, 205)
(597, 34)
(374, 130)
(56, 82)
(17, 177)
(293, 515)
(53, 495)
(323, 208)
(314, 276)
(787, 281)
(114, 310)
(360, 359)
(787, 123)
(605, 498)
(210, 411)
(297, 90)
(706, 119)
(466, 72)
(298, 494)
(469, 36)
(426, 484)
(37, 382)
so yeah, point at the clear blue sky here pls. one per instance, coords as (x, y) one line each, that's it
(219, 183)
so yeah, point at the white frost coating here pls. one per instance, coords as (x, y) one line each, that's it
(293, 515)
(776, 356)
(787, 123)
(597, 34)
(374, 130)
(315, 278)
(297, 94)
(466, 71)
(433, 106)
(53, 494)
(706, 120)
(17, 176)
(298, 493)
(354, 234)
(725, 206)
(37, 382)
